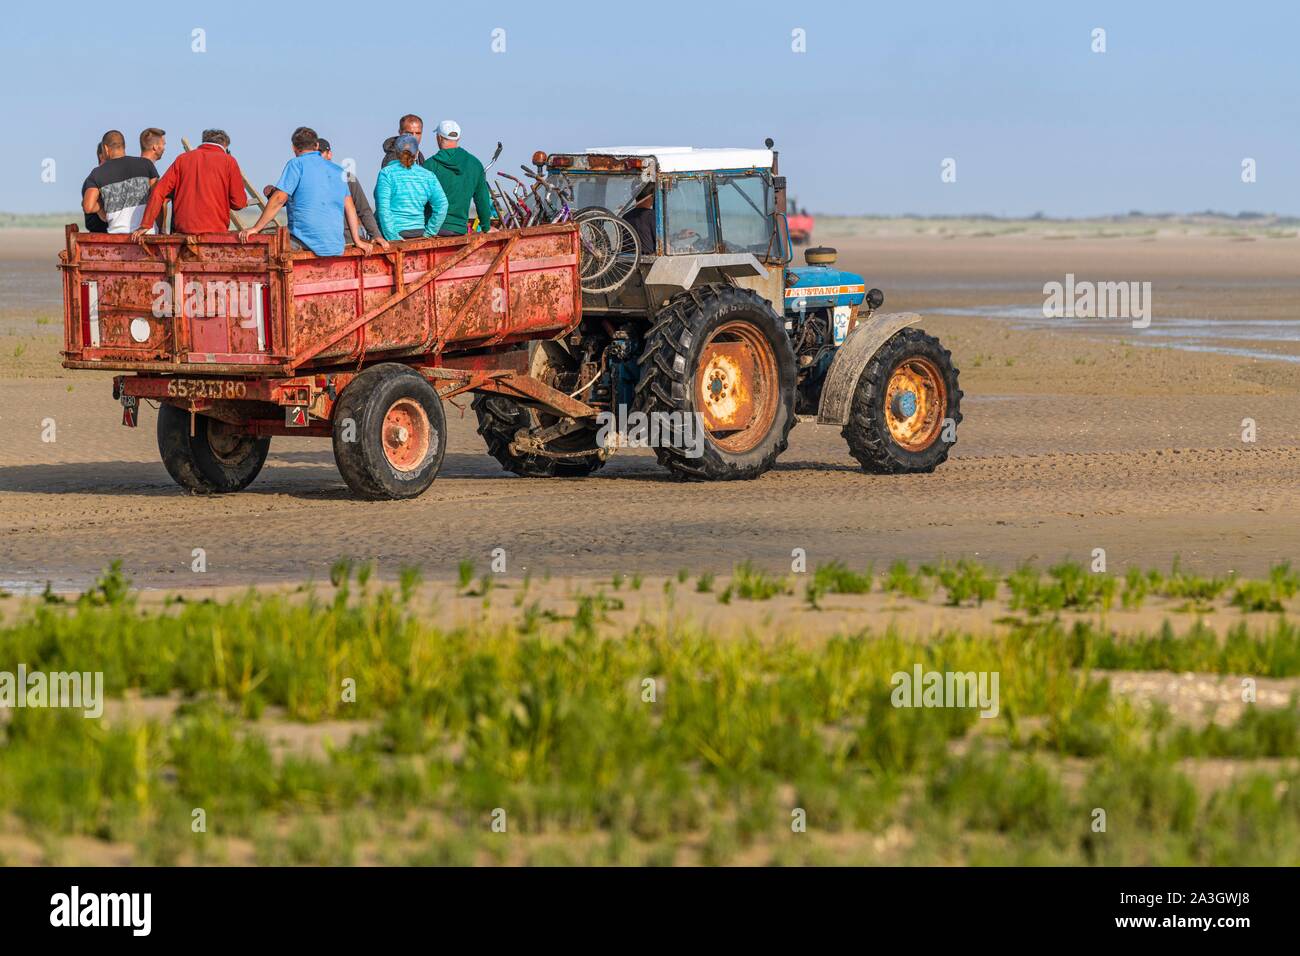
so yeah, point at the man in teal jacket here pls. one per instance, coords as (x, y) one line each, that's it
(462, 179)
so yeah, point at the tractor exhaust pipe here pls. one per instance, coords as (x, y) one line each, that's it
(778, 181)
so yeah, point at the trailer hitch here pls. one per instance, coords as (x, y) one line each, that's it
(534, 442)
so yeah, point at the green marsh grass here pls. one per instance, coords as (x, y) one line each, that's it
(545, 717)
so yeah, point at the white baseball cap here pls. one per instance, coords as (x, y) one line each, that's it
(449, 129)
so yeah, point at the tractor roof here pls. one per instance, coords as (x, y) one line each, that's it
(686, 159)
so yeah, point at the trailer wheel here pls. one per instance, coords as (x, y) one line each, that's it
(906, 407)
(216, 459)
(390, 433)
(719, 355)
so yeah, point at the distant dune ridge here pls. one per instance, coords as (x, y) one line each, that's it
(38, 220)
(1131, 226)
(1208, 219)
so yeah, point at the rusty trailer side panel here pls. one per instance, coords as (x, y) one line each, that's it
(510, 287)
(210, 305)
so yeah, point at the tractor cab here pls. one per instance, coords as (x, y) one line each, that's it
(707, 215)
(705, 201)
(710, 214)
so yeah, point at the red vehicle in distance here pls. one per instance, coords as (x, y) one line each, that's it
(801, 224)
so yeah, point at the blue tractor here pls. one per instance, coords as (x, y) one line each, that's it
(702, 339)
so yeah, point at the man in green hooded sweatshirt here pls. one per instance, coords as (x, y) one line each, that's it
(462, 179)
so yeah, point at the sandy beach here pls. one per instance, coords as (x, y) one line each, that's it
(1080, 435)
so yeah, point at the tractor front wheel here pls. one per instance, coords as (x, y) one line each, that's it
(906, 407)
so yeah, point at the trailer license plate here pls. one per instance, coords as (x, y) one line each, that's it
(213, 388)
(130, 410)
(295, 416)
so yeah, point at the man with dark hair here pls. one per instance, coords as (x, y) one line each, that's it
(203, 184)
(153, 143)
(318, 200)
(364, 213)
(410, 123)
(120, 187)
(304, 140)
(94, 221)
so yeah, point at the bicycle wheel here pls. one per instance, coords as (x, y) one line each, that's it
(612, 251)
(597, 255)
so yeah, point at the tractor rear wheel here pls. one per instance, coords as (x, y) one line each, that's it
(906, 407)
(390, 433)
(718, 357)
(217, 459)
(501, 418)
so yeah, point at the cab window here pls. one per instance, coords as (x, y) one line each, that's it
(688, 216)
(745, 214)
(608, 191)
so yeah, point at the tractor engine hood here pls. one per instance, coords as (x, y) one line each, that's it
(820, 286)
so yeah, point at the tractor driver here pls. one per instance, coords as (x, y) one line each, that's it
(642, 219)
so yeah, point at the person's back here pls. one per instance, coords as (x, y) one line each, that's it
(205, 184)
(369, 227)
(94, 222)
(319, 204)
(402, 191)
(316, 189)
(642, 221)
(123, 183)
(462, 178)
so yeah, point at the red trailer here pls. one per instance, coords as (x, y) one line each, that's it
(239, 342)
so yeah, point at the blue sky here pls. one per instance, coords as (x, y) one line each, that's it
(864, 118)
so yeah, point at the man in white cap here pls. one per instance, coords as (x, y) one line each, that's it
(462, 179)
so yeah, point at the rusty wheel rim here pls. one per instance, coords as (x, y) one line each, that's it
(916, 401)
(406, 434)
(227, 444)
(736, 386)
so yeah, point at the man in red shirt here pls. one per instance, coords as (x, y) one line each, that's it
(204, 185)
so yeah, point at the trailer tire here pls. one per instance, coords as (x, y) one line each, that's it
(215, 460)
(390, 433)
(500, 418)
(688, 367)
(917, 437)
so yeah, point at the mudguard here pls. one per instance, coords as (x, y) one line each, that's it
(861, 344)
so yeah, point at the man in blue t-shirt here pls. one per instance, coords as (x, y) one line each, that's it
(319, 202)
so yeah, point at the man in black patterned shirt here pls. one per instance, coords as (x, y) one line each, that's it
(120, 187)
